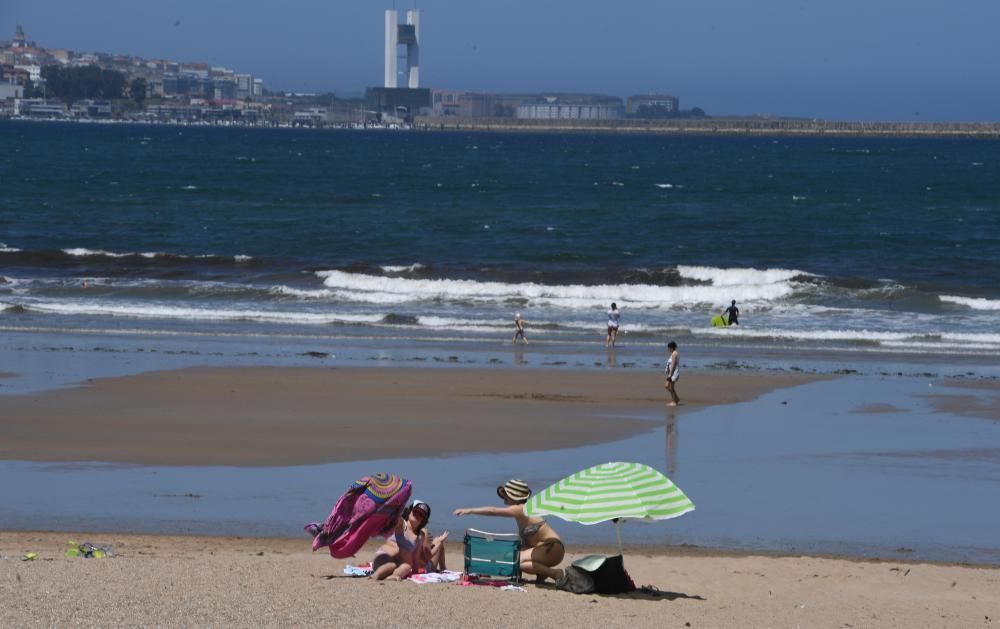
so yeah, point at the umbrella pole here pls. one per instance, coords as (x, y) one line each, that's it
(618, 533)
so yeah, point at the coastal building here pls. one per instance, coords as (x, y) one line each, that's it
(652, 105)
(569, 111)
(390, 99)
(34, 71)
(244, 85)
(396, 35)
(445, 103)
(19, 39)
(10, 90)
(91, 109)
(39, 108)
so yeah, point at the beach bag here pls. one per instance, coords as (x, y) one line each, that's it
(576, 580)
(607, 573)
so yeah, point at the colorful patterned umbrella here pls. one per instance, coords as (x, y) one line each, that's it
(611, 491)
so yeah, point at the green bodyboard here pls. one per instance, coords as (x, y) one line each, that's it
(719, 321)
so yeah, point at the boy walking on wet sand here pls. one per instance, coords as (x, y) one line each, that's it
(519, 324)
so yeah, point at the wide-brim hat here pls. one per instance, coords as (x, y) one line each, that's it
(514, 490)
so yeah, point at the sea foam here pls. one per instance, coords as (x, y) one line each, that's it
(976, 303)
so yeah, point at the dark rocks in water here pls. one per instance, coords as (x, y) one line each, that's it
(316, 354)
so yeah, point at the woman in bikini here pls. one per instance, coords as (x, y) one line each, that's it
(409, 548)
(541, 548)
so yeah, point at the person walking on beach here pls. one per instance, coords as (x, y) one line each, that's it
(673, 373)
(519, 325)
(613, 320)
(732, 314)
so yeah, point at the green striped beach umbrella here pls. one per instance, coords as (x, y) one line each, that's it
(611, 491)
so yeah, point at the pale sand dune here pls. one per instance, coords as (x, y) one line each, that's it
(296, 416)
(225, 582)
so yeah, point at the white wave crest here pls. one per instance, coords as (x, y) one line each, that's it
(302, 293)
(390, 268)
(976, 303)
(5, 249)
(738, 277)
(82, 252)
(881, 337)
(463, 325)
(361, 288)
(200, 314)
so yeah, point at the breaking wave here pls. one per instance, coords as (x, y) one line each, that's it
(976, 303)
(363, 288)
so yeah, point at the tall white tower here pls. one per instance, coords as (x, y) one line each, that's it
(408, 35)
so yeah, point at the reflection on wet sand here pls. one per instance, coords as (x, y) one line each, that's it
(671, 441)
(519, 357)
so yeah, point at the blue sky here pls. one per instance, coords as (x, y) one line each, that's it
(853, 59)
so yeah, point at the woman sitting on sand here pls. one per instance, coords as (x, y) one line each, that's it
(541, 548)
(409, 549)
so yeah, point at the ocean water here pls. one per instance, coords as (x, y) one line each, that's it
(853, 244)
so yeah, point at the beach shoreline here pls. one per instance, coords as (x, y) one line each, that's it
(170, 581)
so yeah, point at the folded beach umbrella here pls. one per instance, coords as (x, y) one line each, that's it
(611, 491)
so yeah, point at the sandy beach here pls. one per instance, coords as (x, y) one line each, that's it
(251, 417)
(195, 581)
(296, 416)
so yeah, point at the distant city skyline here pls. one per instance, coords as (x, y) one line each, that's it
(891, 60)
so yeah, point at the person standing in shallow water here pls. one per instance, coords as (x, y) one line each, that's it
(673, 373)
(613, 319)
(519, 325)
(732, 314)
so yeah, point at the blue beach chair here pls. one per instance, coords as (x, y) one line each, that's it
(492, 555)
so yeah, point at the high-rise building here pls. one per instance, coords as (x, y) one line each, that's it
(408, 35)
(391, 99)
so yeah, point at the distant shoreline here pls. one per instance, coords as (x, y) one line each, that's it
(705, 127)
(712, 126)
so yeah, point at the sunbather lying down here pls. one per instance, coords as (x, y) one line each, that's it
(410, 549)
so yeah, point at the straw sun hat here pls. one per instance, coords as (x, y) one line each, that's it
(514, 490)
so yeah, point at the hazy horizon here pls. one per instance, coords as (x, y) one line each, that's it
(895, 61)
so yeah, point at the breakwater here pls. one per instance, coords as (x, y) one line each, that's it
(725, 126)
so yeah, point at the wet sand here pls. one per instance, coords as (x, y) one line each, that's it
(193, 581)
(297, 416)
(969, 399)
